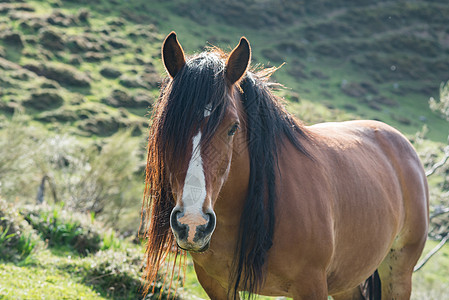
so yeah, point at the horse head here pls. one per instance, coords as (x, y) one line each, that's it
(197, 178)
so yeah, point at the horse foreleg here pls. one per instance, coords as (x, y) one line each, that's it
(212, 287)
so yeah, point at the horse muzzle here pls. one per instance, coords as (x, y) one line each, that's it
(192, 230)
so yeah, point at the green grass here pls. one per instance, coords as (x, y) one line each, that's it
(43, 279)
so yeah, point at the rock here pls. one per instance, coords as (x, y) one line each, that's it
(50, 84)
(350, 107)
(10, 107)
(94, 56)
(83, 15)
(120, 98)
(297, 71)
(117, 43)
(401, 119)
(32, 24)
(143, 100)
(370, 88)
(353, 89)
(44, 100)
(75, 60)
(386, 101)
(21, 74)
(132, 82)
(7, 7)
(51, 39)
(374, 106)
(8, 65)
(117, 22)
(12, 38)
(59, 18)
(104, 125)
(272, 55)
(318, 74)
(63, 74)
(59, 115)
(152, 79)
(110, 72)
(82, 44)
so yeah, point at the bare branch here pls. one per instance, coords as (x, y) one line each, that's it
(439, 164)
(431, 253)
(439, 212)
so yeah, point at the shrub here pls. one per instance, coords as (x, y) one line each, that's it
(59, 227)
(441, 106)
(118, 275)
(97, 177)
(20, 145)
(17, 238)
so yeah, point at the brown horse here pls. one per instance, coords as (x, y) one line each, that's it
(269, 206)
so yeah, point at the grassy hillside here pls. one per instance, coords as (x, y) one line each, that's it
(95, 65)
(378, 61)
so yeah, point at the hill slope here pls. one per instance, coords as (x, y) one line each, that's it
(95, 66)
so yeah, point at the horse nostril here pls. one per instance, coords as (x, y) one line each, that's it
(178, 229)
(211, 223)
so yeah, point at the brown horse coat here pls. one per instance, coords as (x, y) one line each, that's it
(362, 202)
(340, 203)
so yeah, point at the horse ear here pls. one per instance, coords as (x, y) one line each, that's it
(238, 61)
(172, 55)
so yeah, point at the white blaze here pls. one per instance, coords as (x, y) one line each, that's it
(194, 191)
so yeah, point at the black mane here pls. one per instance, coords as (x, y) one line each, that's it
(268, 124)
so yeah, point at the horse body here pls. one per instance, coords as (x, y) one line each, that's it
(338, 202)
(360, 201)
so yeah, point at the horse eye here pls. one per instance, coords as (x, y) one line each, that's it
(233, 129)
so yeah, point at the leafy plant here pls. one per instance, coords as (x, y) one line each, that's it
(17, 239)
(58, 227)
(110, 241)
(442, 105)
